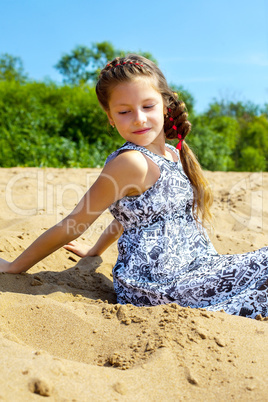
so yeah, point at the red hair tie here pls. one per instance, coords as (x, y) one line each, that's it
(179, 137)
(179, 144)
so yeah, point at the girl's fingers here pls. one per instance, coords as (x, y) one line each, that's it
(80, 249)
(72, 243)
(67, 246)
(77, 248)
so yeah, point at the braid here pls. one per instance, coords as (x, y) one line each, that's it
(176, 121)
(116, 64)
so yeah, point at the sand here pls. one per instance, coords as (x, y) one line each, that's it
(64, 338)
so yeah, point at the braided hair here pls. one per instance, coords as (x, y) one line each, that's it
(176, 124)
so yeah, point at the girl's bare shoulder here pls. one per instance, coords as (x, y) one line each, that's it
(128, 162)
(132, 172)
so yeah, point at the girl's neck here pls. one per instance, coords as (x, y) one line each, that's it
(163, 151)
(158, 147)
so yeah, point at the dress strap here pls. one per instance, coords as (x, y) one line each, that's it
(130, 146)
(175, 150)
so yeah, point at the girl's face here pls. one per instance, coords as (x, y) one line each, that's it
(137, 111)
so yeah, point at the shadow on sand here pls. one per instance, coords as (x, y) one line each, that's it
(81, 279)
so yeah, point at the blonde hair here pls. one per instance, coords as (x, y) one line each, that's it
(125, 69)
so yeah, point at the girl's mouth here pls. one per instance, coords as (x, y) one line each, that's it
(143, 131)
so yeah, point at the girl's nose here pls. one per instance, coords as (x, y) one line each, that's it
(139, 118)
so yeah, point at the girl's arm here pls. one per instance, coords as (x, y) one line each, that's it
(109, 235)
(102, 194)
(120, 177)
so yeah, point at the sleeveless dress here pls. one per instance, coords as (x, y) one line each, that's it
(165, 256)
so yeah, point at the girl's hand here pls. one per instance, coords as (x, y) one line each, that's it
(5, 266)
(82, 250)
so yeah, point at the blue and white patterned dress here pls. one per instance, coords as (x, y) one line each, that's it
(165, 256)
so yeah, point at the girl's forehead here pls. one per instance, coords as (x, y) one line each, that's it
(140, 88)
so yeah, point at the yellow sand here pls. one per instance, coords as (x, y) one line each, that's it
(63, 336)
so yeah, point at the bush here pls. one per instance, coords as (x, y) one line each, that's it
(44, 124)
(251, 160)
(47, 125)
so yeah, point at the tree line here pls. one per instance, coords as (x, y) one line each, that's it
(62, 125)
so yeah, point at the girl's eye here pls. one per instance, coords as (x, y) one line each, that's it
(128, 111)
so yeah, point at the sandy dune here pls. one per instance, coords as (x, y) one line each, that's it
(63, 336)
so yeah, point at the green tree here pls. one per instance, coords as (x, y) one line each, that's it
(210, 145)
(264, 110)
(84, 64)
(246, 110)
(185, 96)
(244, 127)
(49, 125)
(251, 160)
(11, 68)
(74, 66)
(253, 143)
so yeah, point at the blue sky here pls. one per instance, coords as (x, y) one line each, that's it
(214, 49)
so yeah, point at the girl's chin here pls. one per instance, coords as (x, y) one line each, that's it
(142, 139)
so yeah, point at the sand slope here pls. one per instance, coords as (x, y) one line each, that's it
(63, 336)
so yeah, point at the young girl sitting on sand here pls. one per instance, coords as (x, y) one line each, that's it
(160, 201)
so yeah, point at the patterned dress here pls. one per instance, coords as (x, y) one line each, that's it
(165, 256)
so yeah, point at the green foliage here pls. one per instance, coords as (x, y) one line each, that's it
(256, 133)
(264, 110)
(11, 68)
(185, 96)
(252, 148)
(212, 150)
(73, 66)
(246, 133)
(84, 64)
(47, 125)
(251, 160)
(44, 124)
(233, 109)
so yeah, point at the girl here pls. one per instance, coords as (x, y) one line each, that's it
(160, 201)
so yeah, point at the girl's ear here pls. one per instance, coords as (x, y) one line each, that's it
(165, 110)
(110, 119)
